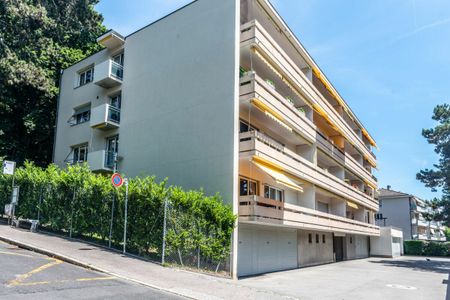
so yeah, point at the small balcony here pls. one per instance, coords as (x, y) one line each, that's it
(108, 74)
(102, 161)
(105, 117)
(256, 209)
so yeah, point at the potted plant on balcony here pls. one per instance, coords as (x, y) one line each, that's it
(270, 83)
(301, 110)
(289, 99)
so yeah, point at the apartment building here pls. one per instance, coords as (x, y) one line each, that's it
(222, 95)
(404, 211)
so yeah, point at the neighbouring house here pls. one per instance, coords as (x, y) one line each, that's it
(404, 211)
(222, 95)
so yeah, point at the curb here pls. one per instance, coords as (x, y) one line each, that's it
(87, 266)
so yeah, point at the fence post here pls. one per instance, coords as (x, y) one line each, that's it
(112, 218)
(39, 204)
(71, 213)
(163, 258)
(126, 215)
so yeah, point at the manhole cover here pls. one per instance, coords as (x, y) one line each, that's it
(401, 287)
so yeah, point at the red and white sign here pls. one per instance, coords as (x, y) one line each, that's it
(116, 180)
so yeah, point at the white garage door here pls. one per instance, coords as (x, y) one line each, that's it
(266, 250)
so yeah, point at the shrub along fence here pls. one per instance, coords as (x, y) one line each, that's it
(76, 202)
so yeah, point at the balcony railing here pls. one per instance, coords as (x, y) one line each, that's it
(253, 86)
(259, 209)
(258, 144)
(254, 36)
(105, 117)
(108, 74)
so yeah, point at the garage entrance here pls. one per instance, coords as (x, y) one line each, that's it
(262, 250)
(338, 248)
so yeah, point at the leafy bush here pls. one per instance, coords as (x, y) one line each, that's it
(77, 200)
(413, 247)
(435, 249)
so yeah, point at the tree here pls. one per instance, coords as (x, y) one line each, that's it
(439, 176)
(39, 38)
(433, 213)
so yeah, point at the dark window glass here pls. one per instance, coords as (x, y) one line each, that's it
(310, 238)
(317, 238)
(351, 240)
(323, 238)
(244, 187)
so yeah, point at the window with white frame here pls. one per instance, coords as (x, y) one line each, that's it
(273, 193)
(80, 153)
(81, 115)
(86, 76)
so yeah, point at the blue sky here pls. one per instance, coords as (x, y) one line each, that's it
(390, 60)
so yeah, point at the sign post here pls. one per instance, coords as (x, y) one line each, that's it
(126, 215)
(9, 168)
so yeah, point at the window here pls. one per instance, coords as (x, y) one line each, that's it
(246, 127)
(81, 115)
(380, 203)
(248, 187)
(80, 154)
(118, 59)
(317, 238)
(322, 206)
(112, 148)
(116, 101)
(351, 240)
(85, 76)
(310, 238)
(273, 193)
(323, 238)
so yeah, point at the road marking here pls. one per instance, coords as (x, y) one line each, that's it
(64, 281)
(22, 277)
(17, 254)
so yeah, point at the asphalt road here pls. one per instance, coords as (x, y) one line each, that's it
(28, 275)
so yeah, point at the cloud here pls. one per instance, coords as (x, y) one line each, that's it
(422, 28)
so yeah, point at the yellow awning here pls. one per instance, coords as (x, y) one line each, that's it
(351, 204)
(279, 177)
(270, 113)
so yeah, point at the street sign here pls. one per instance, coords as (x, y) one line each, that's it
(116, 180)
(8, 210)
(9, 167)
(15, 195)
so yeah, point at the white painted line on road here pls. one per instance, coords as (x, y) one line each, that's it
(401, 287)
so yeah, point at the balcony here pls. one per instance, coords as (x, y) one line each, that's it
(255, 145)
(105, 117)
(100, 161)
(257, 97)
(255, 209)
(254, 38)
(108, 74)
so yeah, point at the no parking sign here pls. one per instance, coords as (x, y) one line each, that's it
(116, 180)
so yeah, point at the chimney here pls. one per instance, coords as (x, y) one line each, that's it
(388, 187)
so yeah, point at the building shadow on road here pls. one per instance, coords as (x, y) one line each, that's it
(422, 264)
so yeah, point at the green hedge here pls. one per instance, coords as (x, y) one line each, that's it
(79, 199)
(413, 247)
(426, 248)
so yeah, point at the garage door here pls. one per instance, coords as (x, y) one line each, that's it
(266, 250)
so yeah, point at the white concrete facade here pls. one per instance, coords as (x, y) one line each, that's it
(220, 95)
(404, 211)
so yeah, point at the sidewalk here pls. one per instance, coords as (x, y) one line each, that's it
(180, 282)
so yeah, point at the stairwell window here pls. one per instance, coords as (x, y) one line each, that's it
(86, 76)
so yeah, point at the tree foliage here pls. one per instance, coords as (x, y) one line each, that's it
(439, 176)
(79, 199)
(38, 38)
